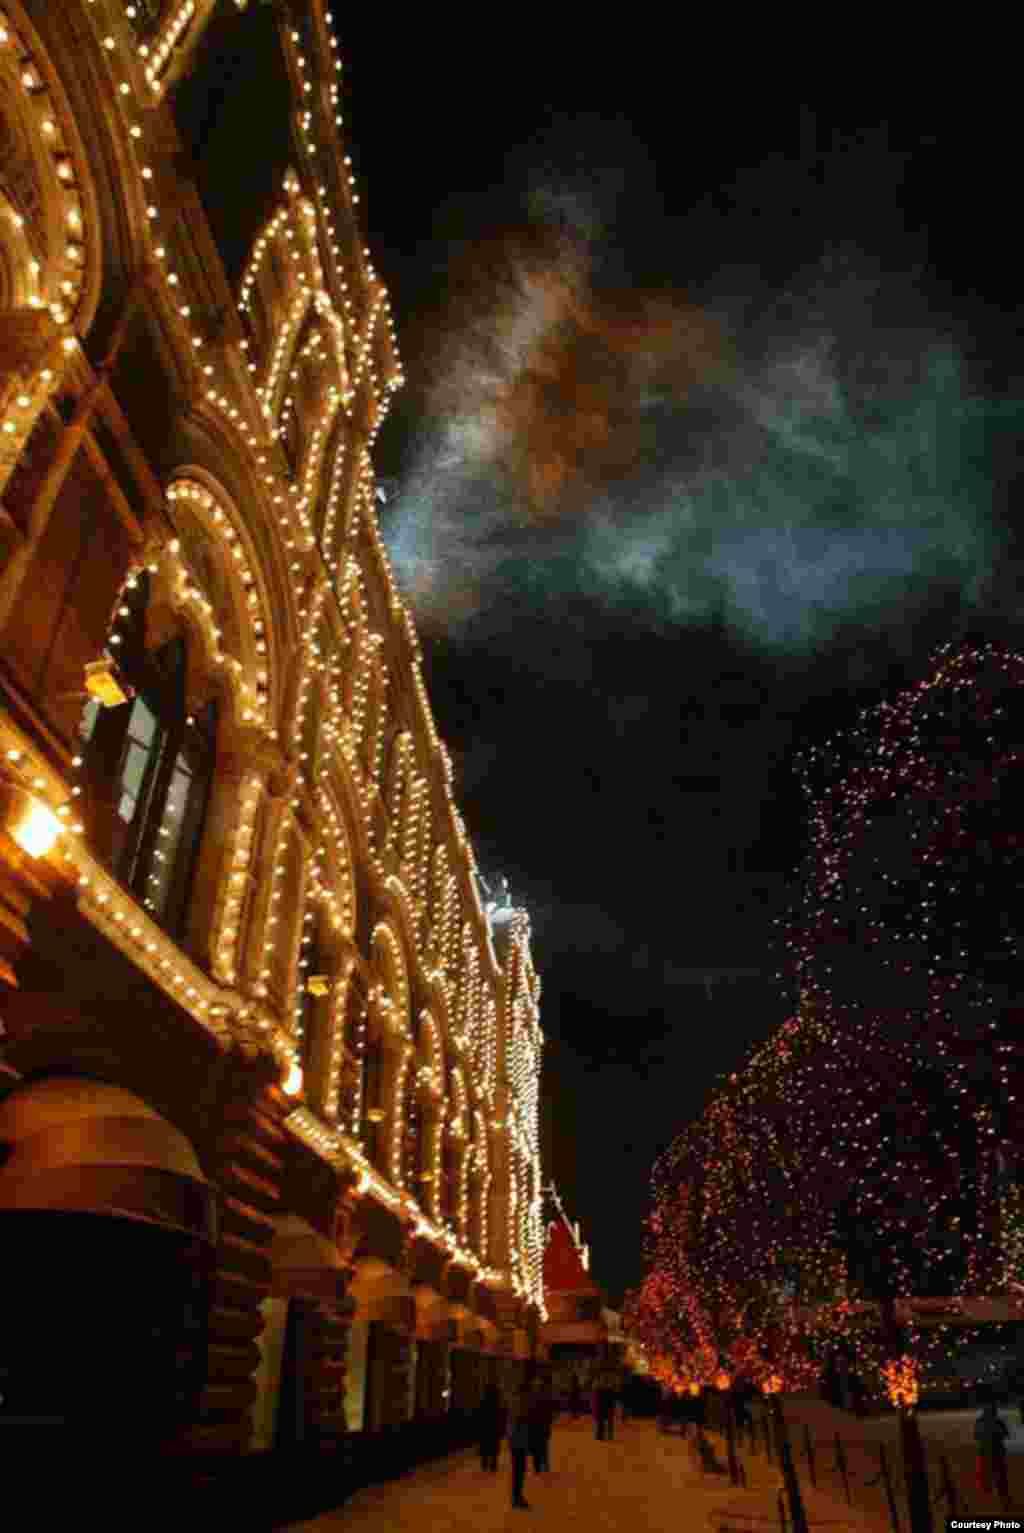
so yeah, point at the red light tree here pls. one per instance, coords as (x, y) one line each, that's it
(863, 1154)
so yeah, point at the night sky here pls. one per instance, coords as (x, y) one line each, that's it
(710, 435)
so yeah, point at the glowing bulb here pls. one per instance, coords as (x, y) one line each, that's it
(37, 831)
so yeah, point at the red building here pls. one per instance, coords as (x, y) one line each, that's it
(576, 1333)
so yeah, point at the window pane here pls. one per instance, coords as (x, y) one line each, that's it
(134, 770)
(139, 750)
(165, 852)
(90, 713)
(142, 724)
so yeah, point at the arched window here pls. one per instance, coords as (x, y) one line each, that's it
(148, 766)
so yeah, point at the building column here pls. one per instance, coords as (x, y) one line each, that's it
(246, 1164)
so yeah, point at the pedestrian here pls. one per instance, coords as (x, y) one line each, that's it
(990, 1433)
(492, 1418)
(741, 1407)
(604, 1407)
(542, 1416)
(519, 1443)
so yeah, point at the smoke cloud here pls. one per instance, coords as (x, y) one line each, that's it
(788, 463)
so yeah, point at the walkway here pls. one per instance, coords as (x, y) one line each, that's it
(641, 1480)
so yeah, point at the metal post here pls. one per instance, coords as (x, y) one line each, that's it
(730, 1440)
(809, 1450)
(894, 1516)
(841, 1468)
(798, 1516)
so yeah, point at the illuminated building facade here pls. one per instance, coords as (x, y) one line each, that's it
(265, 1057)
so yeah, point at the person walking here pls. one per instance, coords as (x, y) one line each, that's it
(519, 1443)
(492, 1418)
(990, 1433)
(604, 1407)
(741, 1407)
(542, 1417)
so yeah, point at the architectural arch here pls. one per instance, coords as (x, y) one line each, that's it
(457, 1151)
(352, 598)
(391, 990)
(403, 914)
(209, 452)
(375, 723)
(339, 461)
(52, 232)
(480, 1185)
(50, 174)
(401, 768)
(339, 776)
(441, 1003)
(430, 1095)
(221, 584)
(335, 865)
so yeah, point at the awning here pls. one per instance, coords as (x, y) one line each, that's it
(80, 1145)
(305, 1263)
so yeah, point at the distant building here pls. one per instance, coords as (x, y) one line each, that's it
(577, 1333)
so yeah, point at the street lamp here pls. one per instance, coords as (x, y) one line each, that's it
(30, 823)
(292, 1083)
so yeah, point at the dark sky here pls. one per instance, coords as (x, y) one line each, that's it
(710, 434)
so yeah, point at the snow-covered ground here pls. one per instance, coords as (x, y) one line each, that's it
(641, 1482)
(647, 1482)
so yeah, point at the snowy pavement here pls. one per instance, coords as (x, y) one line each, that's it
(641, 1480)
(645, 1480)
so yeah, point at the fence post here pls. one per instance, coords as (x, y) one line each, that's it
(841, 1467)
(796, 1505)
(915, 1471)
(809, 1450)
(894, 1517)
(730, 1440)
